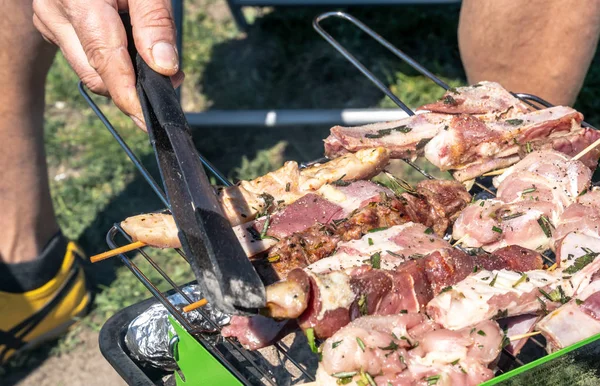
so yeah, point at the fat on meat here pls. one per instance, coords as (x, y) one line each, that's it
(469, 140)
(531, 197)
(487, 100)
(402, 137)
(500, 293)
(582, 216)
(575, 321)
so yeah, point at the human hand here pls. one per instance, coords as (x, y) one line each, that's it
(92, 38)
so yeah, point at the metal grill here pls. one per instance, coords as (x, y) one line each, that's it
(248, 366)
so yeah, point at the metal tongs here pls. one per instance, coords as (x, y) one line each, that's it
(226, 276)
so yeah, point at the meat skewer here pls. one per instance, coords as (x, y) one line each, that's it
(473, 130)
(531, 197)
(435, 204)
(334, 298)
(409, 349)
(574, 321)
(330, 202)
(501, 293)
(243, 201)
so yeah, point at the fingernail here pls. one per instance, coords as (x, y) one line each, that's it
(177, 79)
(165, 56)
(138, 122)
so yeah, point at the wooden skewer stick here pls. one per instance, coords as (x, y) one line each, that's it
(552, 267)
(494, 172)
(193, 306)
(117, 251)
(459, 241)
(587, 149)
(522, 336)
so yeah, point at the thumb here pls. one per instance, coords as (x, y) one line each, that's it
(154, 34)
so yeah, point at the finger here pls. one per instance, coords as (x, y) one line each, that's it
(67, 40)
(103, 40)
(44, 31)
(64, 36)
(155, 35)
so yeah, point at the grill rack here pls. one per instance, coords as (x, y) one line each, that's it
(248, 366)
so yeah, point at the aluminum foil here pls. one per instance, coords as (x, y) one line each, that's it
(147, 336)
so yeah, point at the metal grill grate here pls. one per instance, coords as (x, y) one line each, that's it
(248, 366)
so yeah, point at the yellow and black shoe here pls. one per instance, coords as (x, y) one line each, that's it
(41, 299)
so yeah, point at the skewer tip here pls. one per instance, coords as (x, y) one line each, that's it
(195, 305)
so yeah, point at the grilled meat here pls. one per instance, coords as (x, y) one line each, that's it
(436, 204)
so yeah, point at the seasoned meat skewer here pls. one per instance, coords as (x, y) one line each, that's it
(337, 297)
(471, 131)
(405, 138)
(502, 292)
(531, 197)
(328, 203)
(409, 350)
(435, 204)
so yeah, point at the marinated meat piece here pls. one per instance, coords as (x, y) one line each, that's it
(575, 321)
(409, 350)
(469, 140)
(242, 202)
(302, 248)
(492, 224)
(488, 99)
(156, 229)
(328, 308)
(501, 293)
(531, 197)
(583, 217)
(544, 176)
(513, 257)
(370, 287)
(396, 244)
(435, 205)
(403, 138)
(518, 325)
(446, 199)
(287, 299)
(253, 331)
(377, 215)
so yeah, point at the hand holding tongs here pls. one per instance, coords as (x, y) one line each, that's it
(218, 261)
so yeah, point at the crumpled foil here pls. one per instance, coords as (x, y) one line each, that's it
(147, 336)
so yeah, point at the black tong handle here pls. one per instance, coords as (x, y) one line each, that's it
(227, 277)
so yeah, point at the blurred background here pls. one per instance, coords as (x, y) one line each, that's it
(279, 62)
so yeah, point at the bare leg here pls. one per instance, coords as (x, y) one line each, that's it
(27, 221)
(541, 47)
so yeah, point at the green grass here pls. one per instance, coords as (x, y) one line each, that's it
(280, 63)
